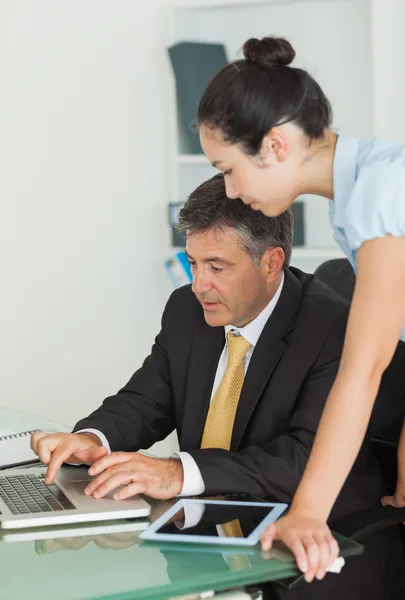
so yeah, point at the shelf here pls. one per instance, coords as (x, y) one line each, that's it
(308, 252)
(192, 159)
(212, 4)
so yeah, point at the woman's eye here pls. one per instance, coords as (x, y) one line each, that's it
(228, 172)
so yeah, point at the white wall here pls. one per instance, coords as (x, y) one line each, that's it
(84, 180)
(388, 26)
(332, 39)
(83, 232)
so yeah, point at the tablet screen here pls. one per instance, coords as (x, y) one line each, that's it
(201, 519)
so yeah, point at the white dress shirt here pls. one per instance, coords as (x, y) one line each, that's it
(193, 484)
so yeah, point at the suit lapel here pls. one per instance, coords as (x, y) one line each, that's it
(267, 353)
(207, 345)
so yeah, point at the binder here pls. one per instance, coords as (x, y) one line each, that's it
(178, 269)
(194, 65)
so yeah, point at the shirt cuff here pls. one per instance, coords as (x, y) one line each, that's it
(193, 483)
(192, 516)
(100, 436)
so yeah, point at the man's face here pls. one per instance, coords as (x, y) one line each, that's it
(231, 288)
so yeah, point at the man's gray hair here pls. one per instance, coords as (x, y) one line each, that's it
(208, 207)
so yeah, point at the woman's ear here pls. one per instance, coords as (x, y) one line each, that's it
(275, 146)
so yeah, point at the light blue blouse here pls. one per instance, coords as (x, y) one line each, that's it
(369, 193)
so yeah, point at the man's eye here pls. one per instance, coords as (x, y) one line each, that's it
(216, 269)
(192, 264)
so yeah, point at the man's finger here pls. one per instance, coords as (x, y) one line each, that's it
(59, 456)
(103, 477)
(135, 488)
(388, 501)
(35, 437)
(113, 482)
(106, 541)
(115, 458)
(45, 446)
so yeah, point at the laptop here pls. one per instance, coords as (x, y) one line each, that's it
(25, 500)
(115, 529)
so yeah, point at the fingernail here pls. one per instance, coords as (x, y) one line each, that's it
(96, 494)
(91, 471)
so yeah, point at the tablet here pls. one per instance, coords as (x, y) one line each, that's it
(206, 522)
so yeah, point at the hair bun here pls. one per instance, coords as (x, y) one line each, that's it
(269, 52)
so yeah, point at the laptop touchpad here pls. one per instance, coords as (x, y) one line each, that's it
(80, 485)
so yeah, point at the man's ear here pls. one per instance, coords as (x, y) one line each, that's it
(273, 262)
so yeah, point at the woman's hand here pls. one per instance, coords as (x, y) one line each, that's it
(310, 540)
(398, 499)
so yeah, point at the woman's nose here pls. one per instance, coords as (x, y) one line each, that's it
(231, 190)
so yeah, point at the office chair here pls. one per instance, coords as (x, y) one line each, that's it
(389, 410)
(338, 274)
(388, 413)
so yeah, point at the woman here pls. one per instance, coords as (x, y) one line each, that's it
(267, 127)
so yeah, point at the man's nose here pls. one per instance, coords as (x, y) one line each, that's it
(231, 190)
(201, 281)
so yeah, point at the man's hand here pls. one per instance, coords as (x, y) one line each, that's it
(106, 541)
(54, 449)
(160, 478)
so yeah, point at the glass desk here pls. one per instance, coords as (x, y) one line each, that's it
(120, 566)
(84, 564)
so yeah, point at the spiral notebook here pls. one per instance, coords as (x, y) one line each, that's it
(15, 449)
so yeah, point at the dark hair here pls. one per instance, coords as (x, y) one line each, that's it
(248, 97)
(208, 207)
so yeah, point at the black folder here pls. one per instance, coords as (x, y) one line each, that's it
(194, 65)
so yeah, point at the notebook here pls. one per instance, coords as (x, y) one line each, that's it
(15, 449)
(15, 434)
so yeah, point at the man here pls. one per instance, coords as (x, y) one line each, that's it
(241, 369)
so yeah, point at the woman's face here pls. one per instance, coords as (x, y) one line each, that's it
(266, 182)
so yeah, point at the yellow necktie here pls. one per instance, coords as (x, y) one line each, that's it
(221, 414)
(237, 561)
(232, 529)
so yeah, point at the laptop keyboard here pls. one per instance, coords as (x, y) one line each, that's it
(27, 494)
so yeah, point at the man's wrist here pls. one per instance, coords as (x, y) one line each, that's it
(92, 437)
(176, 475)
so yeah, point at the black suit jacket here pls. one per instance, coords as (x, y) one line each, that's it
(290, 373)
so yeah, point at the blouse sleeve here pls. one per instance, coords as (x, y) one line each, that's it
(377, 205)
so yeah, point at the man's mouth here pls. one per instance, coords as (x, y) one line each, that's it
(209, 305)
